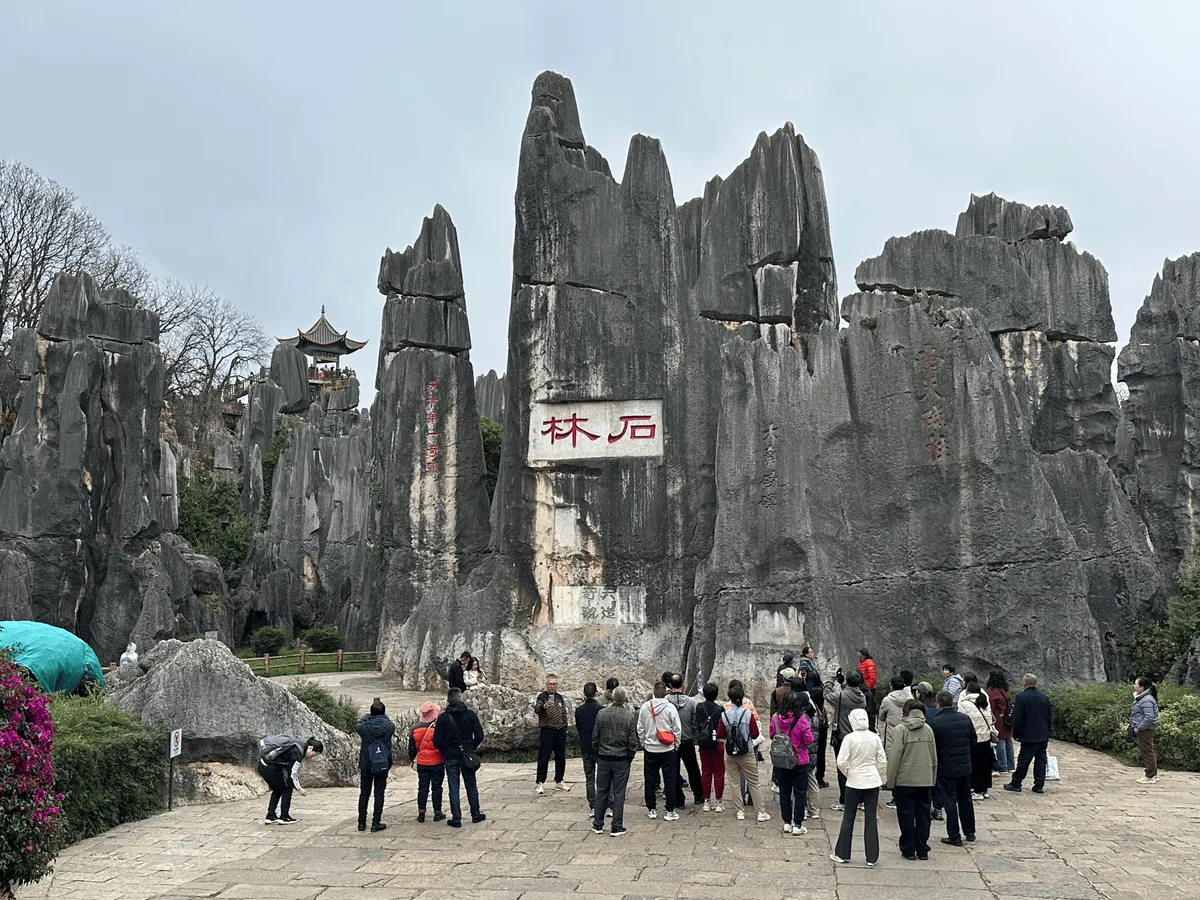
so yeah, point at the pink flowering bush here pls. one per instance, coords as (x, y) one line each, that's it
(29, 806)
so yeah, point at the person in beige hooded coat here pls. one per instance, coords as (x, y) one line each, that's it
(863, 761)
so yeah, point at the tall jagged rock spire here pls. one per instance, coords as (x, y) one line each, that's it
(428, 523)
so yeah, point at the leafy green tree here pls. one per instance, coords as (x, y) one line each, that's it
(489, 430)
(211, 518)
(268, 640)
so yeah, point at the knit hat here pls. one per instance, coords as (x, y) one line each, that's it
(429, 711)
(925, 687)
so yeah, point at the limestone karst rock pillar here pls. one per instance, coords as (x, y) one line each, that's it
(80, 497)
(428, 522)
(1161, 367)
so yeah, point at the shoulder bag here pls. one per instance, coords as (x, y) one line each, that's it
(666, 738)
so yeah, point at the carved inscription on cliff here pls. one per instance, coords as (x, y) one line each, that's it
(585, 604)
(595, 429)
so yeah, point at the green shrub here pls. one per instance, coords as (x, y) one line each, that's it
(1152, 650)
(109, 766)
(282, 437)
(490, 432)
(1097, 716)
(268, 640)
(341, 715)
(324, 640)
(211, 518)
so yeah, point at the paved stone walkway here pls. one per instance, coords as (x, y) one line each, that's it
(1094, 835)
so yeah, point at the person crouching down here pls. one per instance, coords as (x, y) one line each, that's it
(279, 758)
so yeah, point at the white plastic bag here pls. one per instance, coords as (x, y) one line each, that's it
(1052, 768)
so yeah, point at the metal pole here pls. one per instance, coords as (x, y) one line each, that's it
(171, 785)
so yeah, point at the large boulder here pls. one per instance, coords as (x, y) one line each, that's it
(224, 709)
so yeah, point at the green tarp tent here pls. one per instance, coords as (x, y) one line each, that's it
(57, 659)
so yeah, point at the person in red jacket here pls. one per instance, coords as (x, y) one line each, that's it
(866, 667)
(431, 764)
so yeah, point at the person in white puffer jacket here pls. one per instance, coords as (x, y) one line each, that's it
(973, 703)
(863, 761)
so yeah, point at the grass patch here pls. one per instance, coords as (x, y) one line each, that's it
(341, 715)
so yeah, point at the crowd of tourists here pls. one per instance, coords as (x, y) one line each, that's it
(934, 753)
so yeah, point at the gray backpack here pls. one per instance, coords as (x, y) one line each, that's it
(783, 754)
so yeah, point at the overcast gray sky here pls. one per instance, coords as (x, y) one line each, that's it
(274, 149)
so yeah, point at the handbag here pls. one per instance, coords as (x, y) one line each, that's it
(666, 738)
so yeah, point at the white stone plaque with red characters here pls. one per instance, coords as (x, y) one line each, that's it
(595, 429)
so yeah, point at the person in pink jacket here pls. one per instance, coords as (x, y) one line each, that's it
(791, 721)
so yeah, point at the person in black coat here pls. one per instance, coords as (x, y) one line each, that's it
(458, 727)
(585, 721)
(953, 735)
(1031, 716)
(455, 676)
(373, 727)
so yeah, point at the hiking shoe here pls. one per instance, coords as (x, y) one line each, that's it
(596, 830)
(286, 820)
(707, 807)
(838, 807)
(671, 816)
(1014, 788)
(741, 815)
(608, 814)
(617, 832)
(764, 817)
(799, 829)
(455, 823)
(891, 804)
(976, 798)
(839, 860)
(787, 827)
(652, 814)
(720, 807)
(270, 820)
(479, 818)
(953, 842)
(539, 789)
(1146, 780)
(378, 826)
(421, 816)
(438, 816)
(559, 786)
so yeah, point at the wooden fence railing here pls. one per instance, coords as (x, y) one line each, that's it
(304, 662)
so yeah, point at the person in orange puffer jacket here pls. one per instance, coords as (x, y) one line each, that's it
(431, 765)
(866, 667)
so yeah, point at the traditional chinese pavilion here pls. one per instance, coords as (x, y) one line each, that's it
(326, 346)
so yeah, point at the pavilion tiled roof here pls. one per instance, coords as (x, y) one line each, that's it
(323, 336)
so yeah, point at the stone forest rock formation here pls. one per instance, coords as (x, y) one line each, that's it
(84, 540)
(707, 457)
(935, 479)
(490, 395)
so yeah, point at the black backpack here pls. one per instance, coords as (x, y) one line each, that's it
(706, 722)
(377, 757)
(736, 743)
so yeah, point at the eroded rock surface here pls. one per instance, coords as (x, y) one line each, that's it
(224, 709)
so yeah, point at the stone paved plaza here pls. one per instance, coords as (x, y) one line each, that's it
(1094, 835)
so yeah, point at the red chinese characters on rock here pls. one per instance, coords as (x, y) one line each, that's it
(432, 465)
(633, 428)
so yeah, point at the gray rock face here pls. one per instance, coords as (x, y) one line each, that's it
(289, 370)
(300, 569)
(224, 709)
(80, 493)
(490, 395)
(993, 216)
(16, 586)
(1161, 367)
(427, 520)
